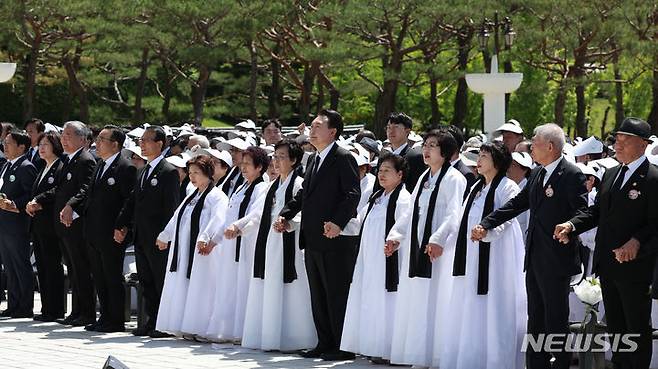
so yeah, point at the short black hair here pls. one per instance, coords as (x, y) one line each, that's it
(160, 135)
(204, 163)
(116, 134)
(55, 141)
(446, 141)
(295, 151)
(334, 120)
(457, 133)
(399, 163)
(38, 124)
(21, 138)
(259, 157)
(269, 122)
(500, 155)
(400, 118)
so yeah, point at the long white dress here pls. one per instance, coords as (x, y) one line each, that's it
(203, 280)
(367, 184)
(484, 331)
(414, 323)
(368, 327)
(227, 318)
(278, 315)
(176, 284)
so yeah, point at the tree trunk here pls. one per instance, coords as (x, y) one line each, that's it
(619, 95)
(274, 97)
(319, 105)
(507, 67)
(305, 97)
(199, 94)
(605, 121)
(30, 81)
(334, 94)
(70, 65)
(166, 93)
(138, 112)
(581, 123)
(253, 82)
(436, 118)
(560, 102)
(653, 114)
(461, 95)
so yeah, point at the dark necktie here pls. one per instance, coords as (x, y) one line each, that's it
(316, 166)
(620, 179)
(101, 167)
(145, 174)
(542, 175)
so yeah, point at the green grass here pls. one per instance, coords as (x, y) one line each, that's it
(214, 123)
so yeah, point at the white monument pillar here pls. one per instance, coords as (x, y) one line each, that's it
(7, 71)
(493, 86)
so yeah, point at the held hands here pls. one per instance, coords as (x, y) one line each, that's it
(433, 251)
(205, 248)
(161, 245)
(66, 216)
(232, 232)
(331, 230)
(281, 225)
(390, 247)
(562, 232)
(628, 251)
(120, 235)
(8, 205)
(32, 208)
(478, 233)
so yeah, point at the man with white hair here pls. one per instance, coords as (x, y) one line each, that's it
(201, 141)
(555, 192)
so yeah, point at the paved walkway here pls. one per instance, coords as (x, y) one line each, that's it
(25, 343)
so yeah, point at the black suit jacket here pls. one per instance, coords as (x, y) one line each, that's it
(467, 173)
(569, 196)
(36, 159)
(621, 215)
(332, 196)
(101, 201)
(17, 186)
(416, 164)
(43, 220)
(74, 176)
(147, 210)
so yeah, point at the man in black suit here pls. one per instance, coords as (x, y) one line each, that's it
(457, 163)
(147, 210)
(626, 214)
(34, 128)
(329, 200)
(17, 176)
(397, 132)
(78, 167)
(100, 203)
(554, 194)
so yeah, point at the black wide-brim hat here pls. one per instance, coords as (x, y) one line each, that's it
(635, 127)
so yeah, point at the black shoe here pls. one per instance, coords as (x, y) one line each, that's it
(82, 321)
(337, 356)
(312, 354)
(6, 313)
(26, 314)
(379, 361)
(140, 332)
(92, 327)
(44, 318)
(68, 320)
(110, 328)
(157, 334)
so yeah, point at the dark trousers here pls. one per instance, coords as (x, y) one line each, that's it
(106, 262)
(74, 251)
(50, 272)
(15, 251)
(548, 313)
(151, 265)
(329, 276)
(628, 310)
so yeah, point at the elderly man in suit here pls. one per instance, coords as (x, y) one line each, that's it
(626, 214)
(100, 203)
(329, 200)
(77, 171)
(554, 194)
(154, 198)
(16, 178)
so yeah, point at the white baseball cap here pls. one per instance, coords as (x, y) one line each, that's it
(589, 146)
(512, 125)
(523, 158)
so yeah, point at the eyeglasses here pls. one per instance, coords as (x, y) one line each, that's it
(280, 157)
(145, 140)
(430, 145)
(99, 138)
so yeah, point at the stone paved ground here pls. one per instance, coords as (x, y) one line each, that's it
(25, 343)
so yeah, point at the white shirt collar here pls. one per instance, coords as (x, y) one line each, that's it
(71, 155)
(399, 149)
(550, 168)
(155, 162)
(323, 154)
(452, 163)
(632, 166)
(12, 162)
(110, 160)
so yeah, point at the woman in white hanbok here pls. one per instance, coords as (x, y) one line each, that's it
(187, 262)
(368, 326)
(437, 195)
(234, 261)
(278, 315)
(484, 301)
